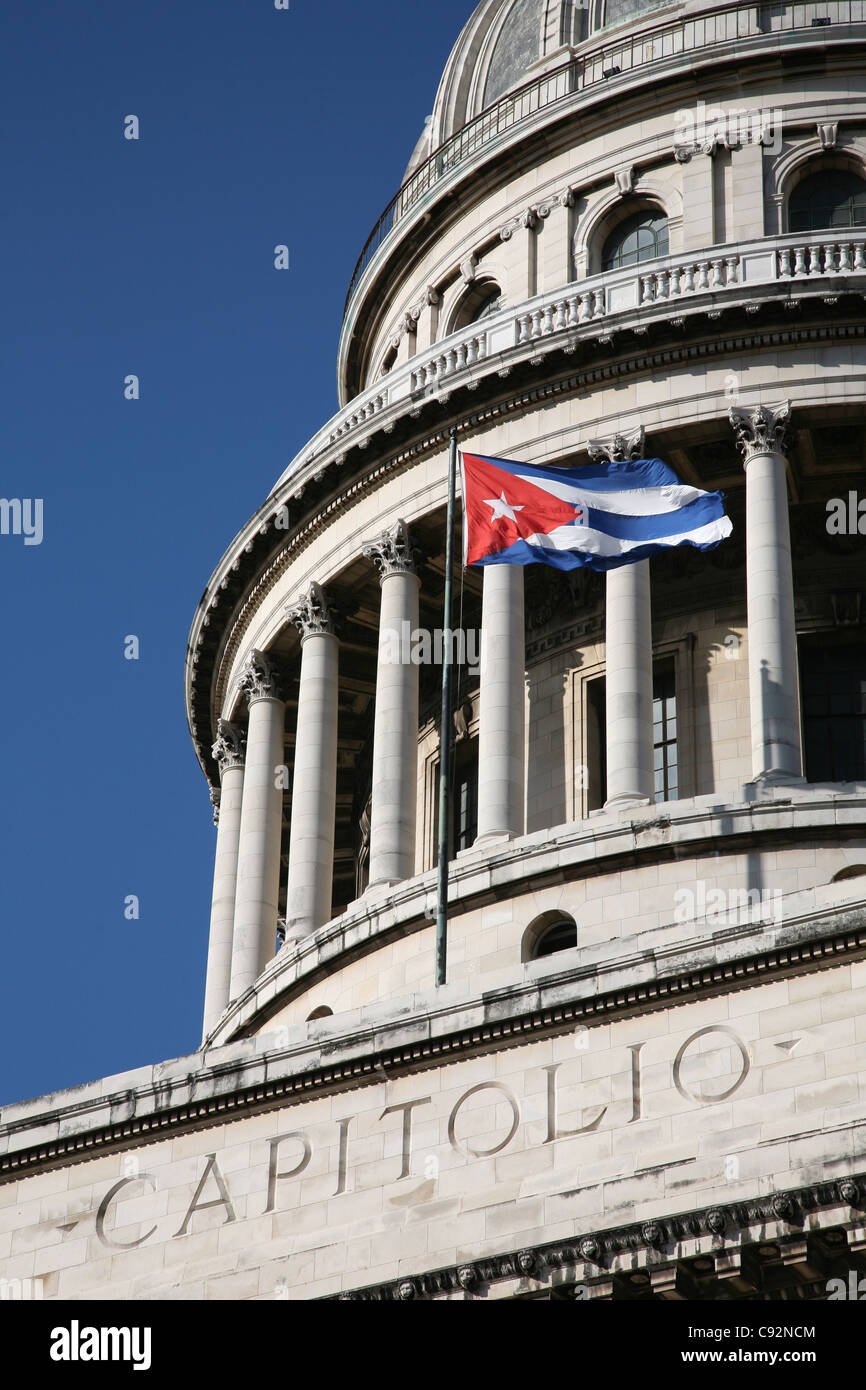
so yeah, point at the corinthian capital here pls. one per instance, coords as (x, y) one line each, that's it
(230, 748)
(619, 448)
(258, 680)
(392, 551)
(762, 429)
(313, 615)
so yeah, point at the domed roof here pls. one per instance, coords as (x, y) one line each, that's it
(505, 44)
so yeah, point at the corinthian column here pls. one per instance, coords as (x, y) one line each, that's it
(229, 754)
(314, 789)
(395, 735)
(502, 722)
(628, 660)
(258, 886)
(763, 435)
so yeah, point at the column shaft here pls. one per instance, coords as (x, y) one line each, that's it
(773, 674)
(395, 737)
(774, 685)
(502, 725)
(629, 684)
(314, 788)
(222, 919)
(257, 897)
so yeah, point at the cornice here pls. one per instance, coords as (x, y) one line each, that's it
(268, 1081)
(592, 1258)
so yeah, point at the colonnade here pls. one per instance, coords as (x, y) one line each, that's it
(247, 872)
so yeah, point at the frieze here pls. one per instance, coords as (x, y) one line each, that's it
(730, 1226)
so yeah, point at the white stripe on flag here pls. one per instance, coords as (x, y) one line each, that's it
(589, 542)
(638, 501)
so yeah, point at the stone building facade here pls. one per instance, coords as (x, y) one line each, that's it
(626, 229)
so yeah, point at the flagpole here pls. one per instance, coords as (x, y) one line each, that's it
(445, 726)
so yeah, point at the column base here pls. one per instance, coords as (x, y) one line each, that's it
(627, 801)
(503, 837)
(771, 781)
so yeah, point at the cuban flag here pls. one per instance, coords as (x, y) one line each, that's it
(603, 515)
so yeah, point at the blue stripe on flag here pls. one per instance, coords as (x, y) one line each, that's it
(521, 553)
(620, 476)
(691, 517)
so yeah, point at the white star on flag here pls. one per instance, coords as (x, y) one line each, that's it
(501, 508)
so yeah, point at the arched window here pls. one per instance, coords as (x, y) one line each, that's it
(831, 198)
(481, 301)
(641, 237)
(549, 933)
(850, 871)
(322, 1012)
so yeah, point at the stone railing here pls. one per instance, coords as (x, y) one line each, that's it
(637, 54)
(725, 276)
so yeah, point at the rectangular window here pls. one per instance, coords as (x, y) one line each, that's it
(665, 745)
(834, 713)
(665, 760)
(463, 799)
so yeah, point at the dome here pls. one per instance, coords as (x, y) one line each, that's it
(504, 45)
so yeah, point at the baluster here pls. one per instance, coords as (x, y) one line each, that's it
(481, 346)
(718, 274)
(548, 320)
(585, 307)
(525, 322)
(661, 291)
(598, 304)
(829, 259)
(453, 361)
(844, 255)
(676, 272)
(814, 260)
(785, 261)
(461, 356)
(731, 270)
(561, 315)
(646, 283)
(573, 310)
(860, 256)
(800, 261)
(690, 278)
(536, 323)
(472, 352)
(703, 275)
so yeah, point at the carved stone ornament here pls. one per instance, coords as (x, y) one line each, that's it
(624, 180)
(590, 1249)
(716, 1222)
(507, 232)
(565, 199)
(230, 747)
(215, 802)
(652, 1233)
(467, 1276)
(258, 680)
(849, 1192)
(828, 134)
(392, 551)
(406, 1291)
(313, 615)
(683, 153)
(469, 268)
(433, 295)
(761, 429)
(619, 448)
(526, 1261)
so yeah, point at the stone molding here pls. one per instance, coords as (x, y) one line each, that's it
(592, 1258)
(762, 429)
(391, 551)
(313, 615)
(263, 1080)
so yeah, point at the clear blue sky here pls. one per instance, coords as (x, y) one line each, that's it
(155, 257)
